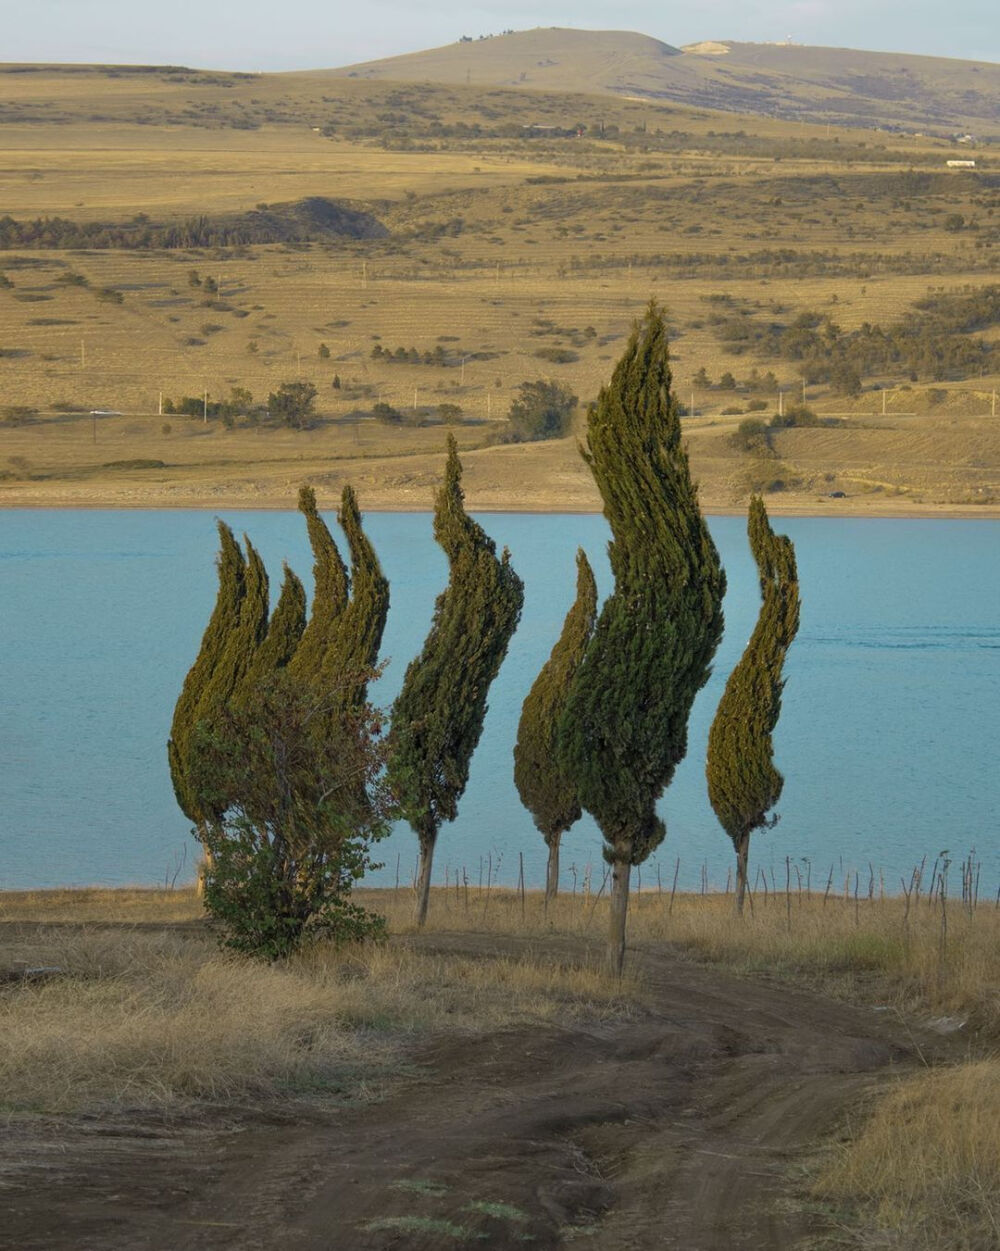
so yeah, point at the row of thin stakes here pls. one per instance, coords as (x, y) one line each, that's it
(605, 723)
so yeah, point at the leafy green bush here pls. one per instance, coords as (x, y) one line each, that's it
(541, 410)
(292, 403)
(385, 412)
(558, 356)
(299, 809)
(751, 435)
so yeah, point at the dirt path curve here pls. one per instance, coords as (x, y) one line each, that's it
(675, 1129)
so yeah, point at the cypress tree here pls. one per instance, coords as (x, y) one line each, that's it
(438, 716)
(329, 593)
(355, 635)
(284, 631)
(223, 621)
(624, 729)
(546, 790)
(234, 658)
(743, 783)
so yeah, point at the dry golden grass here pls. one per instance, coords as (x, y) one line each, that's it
(857, 950)
(925, 1165)
(146, 1013)
(572, 254)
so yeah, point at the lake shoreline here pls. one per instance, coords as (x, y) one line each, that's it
(776, 508)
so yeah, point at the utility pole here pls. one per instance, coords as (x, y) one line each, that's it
(883, 401)
(160, 409)
(414, 399)
(692, 402)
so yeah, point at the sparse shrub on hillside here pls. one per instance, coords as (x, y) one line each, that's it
(751, 435)
(17, 414)
(558, 356)
(934, 340)
(385, 412)
(292, 403)
(798, 415)
(541, 410)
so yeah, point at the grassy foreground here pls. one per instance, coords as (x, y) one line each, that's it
(148, 1013)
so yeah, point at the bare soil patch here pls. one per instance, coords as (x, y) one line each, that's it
(680, 1125)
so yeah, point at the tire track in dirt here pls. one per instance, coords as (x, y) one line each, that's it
(673, 1129)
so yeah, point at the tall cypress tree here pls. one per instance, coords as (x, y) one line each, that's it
(330, 590)
(743, 784)
(546, 790)
(355, 635)
(438, 716)
(625, 726)
(284, 631)
(223, 621)
(234, 657)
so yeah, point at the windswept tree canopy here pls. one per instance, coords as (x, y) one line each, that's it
(223, 622)
(546, 790)
(330, 592)
(743, 784)
(284, 631)
(356, 633)
(625, 725)
(438, 716)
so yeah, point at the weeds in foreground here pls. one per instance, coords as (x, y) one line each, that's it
(147, 1013)
(880, 949)
(925, 1166)
(143, 1017)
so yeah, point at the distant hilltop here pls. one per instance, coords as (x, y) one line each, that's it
(787, 80)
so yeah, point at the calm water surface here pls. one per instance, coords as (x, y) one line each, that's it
(888, 737)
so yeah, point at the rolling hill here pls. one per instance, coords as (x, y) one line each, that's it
(836, 85)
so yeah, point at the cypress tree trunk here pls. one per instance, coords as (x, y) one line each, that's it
(621, 876)
(427, 837)
(742, 855)
(552, 870)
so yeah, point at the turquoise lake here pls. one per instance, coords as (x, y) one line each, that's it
(888, 738)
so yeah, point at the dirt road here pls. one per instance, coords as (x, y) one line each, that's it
(678, 1128)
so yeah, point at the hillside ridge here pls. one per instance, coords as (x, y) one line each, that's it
(882, 90)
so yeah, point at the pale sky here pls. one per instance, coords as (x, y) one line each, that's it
(304, 34)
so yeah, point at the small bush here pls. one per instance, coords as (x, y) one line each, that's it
(751, 435)
(558, 356)
(18, 414)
